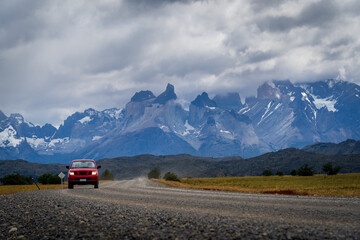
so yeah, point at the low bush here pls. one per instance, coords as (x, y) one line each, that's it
(267, 172)
(279, 173)
(293, 172)
(48, 178)
(16, 179)
(154, 173)
(305, 170)
(107, 175)
(169, 176)
(330, 170)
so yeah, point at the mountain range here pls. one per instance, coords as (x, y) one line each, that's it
(186, 165)
(282, 115)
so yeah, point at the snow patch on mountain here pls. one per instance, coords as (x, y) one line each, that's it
(57, 141)
(96, 138)
(36, 142)
(8, 138)
(164, 128)
(115, 113)
(85, 120)
(305, 97)
(266, 114)
(188, 128)
(227, 134)
(328, 102)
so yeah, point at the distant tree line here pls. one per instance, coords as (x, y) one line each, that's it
(17, 179)
(306, 170)
(48, 178)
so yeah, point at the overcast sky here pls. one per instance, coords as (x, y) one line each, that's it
(58, 57)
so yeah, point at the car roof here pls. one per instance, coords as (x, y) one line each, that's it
(85, 160)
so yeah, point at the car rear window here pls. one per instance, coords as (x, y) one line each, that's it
(83, 164)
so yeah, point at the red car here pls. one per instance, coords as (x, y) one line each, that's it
(82, 172)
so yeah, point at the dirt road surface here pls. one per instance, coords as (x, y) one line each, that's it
(142, 209)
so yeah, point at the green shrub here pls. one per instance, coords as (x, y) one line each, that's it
(16, 179)
(267, 172)
(305, 170)
(107, 175)
(155, 173)
(330, 170)
(279, 173)
(48, 178)
(169, 176)
(293, 172)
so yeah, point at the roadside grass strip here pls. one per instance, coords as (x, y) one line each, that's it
(10, 189)
(341, 185)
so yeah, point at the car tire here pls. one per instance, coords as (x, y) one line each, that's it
(96, 185)
(70, 185)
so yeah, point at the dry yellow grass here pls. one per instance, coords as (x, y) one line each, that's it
(346, 185)
(9, 189)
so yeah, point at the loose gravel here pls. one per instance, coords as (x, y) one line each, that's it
(140, 209)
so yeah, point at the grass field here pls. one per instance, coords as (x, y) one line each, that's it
(347, 185)
(9, 189)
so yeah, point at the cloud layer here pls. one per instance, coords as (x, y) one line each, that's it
(57, 57)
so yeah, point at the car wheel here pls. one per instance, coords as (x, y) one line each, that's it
(70, 185)
(96, 185)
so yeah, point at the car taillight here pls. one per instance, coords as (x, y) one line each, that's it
(71, 173)
(94, 173)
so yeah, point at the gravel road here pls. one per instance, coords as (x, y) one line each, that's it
(141, 209)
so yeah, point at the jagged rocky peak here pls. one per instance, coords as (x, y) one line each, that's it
(268, 91)
(90, 111)
(142, 96)
(284, 86)
(203, 100)
(228, 101)
(18, 118)
(167, 95)
(2, 116)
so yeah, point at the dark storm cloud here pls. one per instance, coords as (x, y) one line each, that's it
(146, 4)
(259, 56)
(261, 5)
(17, 22)
(57, 57)
(317, 14)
